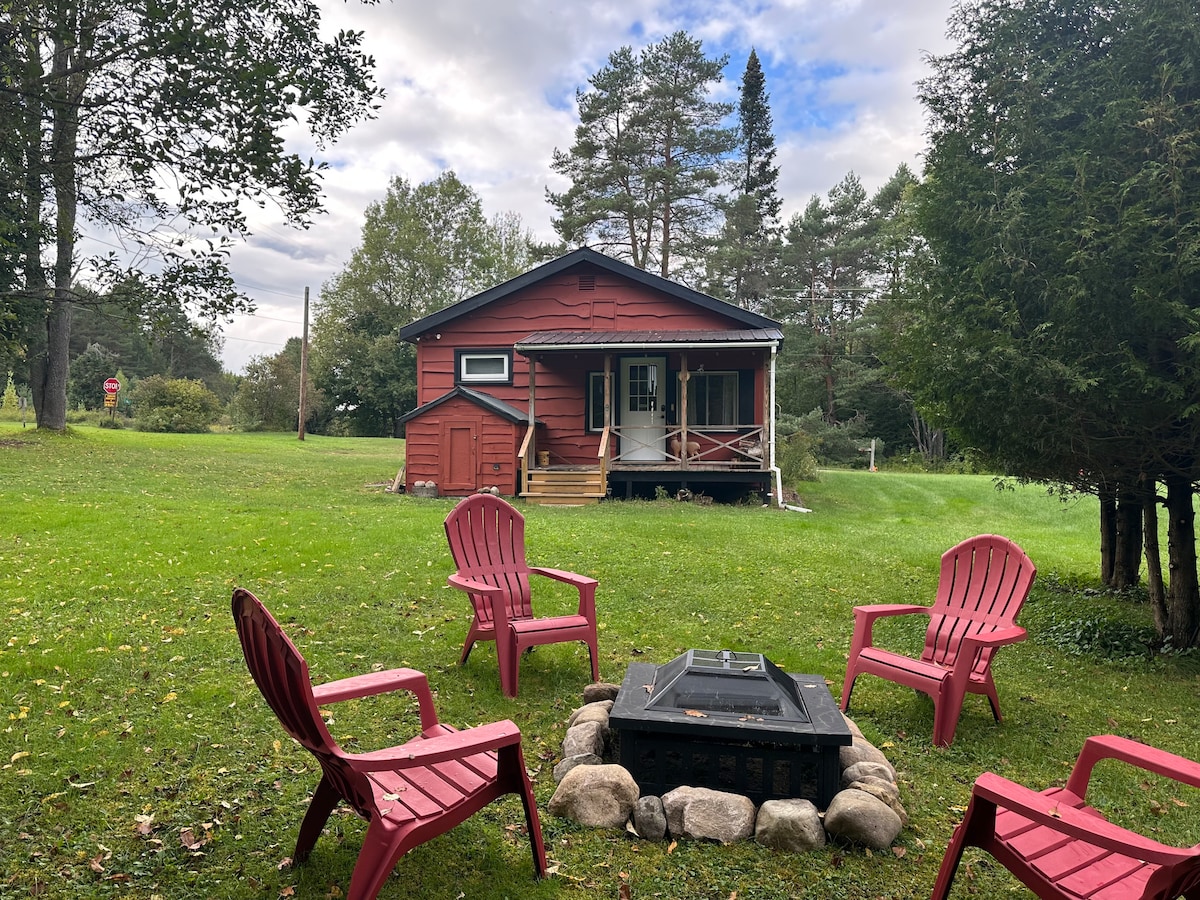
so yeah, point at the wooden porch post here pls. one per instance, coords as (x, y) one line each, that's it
(684, 378)
(532, 412)
(608, 390)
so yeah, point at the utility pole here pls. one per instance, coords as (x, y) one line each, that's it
(304, 370)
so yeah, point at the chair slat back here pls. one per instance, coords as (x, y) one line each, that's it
(282, 676)
(487, 540)
(983, 583)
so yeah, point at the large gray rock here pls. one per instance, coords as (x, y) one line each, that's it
(707, 814)
(587, 737)
(596, 796)
(859, 817)
(861, 770)
(591, 712)
(649, 819)
(582, 759)
(863, 750)
(792, 825)
(885, 791)
(600, 690)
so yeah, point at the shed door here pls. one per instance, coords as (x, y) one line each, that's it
(459, 448)
(643, 413)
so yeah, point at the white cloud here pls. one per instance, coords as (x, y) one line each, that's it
(487, 89)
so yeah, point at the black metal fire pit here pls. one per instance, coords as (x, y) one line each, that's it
(732, 722)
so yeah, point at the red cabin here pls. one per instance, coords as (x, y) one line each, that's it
(585, 377)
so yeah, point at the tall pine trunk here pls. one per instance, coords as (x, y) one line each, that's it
(1154, 575)
(1108, 536)
(1128, 556)
(1183, 591)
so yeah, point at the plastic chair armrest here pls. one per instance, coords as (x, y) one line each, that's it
(1074, 823)
(998, 638)
(422, 752)
(373, 683)
(580, 581)
(586, 584)
(1134, 753)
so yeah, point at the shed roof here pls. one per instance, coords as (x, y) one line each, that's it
(646, 340)
(588, 256)
(479, 398)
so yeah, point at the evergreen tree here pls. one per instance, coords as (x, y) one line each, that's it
(741, 265)
(645, 165)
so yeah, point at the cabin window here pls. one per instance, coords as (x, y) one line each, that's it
(712, 400)
(595, 401)
(484, 367)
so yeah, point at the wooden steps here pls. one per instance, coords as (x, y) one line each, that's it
(573, 486)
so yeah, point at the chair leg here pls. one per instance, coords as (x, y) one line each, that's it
(510, 757)
(993, 697)
(509, 657)
(947, 709)
(847, 688)
(594, 655)
(949, 867)
(325, 798)
(378, 856)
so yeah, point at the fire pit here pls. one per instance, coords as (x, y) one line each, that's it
(732, 722)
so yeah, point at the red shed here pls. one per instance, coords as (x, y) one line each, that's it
(585, 377)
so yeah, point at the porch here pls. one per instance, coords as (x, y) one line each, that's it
(682, 409)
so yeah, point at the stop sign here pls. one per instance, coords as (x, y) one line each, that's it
(111, 385)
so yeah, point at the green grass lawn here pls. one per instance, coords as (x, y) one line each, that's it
(140, 761)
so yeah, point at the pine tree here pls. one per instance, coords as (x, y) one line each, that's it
(744, 257)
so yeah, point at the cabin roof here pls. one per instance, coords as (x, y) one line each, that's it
(479, 398)
(646, 340)
(588, 256)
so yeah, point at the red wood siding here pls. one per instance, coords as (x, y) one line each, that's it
(558, 303)
(434, 451)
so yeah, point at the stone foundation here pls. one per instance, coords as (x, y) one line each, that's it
(595, 792)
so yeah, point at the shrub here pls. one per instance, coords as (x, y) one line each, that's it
(175, 405)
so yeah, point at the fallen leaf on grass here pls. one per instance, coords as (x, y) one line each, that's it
(899, 852)
(188, 838)
(145, 825)
(671, 847)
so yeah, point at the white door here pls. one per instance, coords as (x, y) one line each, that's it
(643, 419)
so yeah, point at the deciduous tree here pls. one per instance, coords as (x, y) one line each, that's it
(158, 122)
(422, 249)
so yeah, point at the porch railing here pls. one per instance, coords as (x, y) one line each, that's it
(742, 449)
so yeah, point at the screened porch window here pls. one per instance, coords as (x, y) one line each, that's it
(595, 401)
(712, 400)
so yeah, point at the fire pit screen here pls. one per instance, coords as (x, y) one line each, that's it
(729, 721)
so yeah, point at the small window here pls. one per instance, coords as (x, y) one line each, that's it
(484, 367)
(595, 401)
(713, 399)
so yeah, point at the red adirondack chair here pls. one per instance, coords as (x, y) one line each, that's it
(1059, 847)
(487, 541)
(983, 583)
(409, 793)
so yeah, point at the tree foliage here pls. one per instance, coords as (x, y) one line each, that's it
(157, 122)
(422, 249)
(742, 261)
(1058, 331)
(646, 163)
(177, 405)
(268, 395)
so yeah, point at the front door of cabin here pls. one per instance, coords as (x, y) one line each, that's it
(458, 461)
(643, 422)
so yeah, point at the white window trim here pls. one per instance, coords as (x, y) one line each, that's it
(503, 377)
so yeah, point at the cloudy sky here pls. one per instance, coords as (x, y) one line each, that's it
(487, 88)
